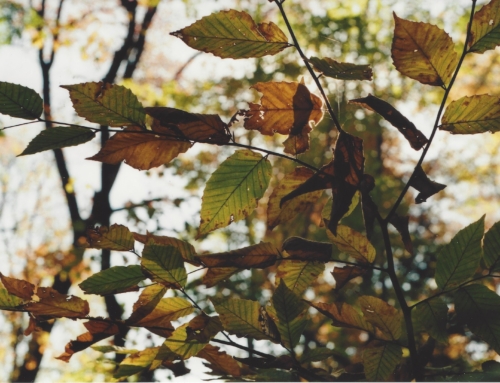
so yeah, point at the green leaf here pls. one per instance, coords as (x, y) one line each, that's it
(318, 354)
(116, 237)
(431, 317)
(290, 315)
(341, 71)
(113, 280)
(471, 115)
(353, 243)
(479, 308)
(381, 314)
(9, 301)
(115, 349)
(164, 264)
(187, 250)
(148, 300)
(166, 310)
(485, 29)
(20, 101)
(458, 260)
(136, 363)
(242, 318)
(233, 34)
(106, 104)
(57, 138)
(492, 248)
(380, 361)
(298, 275)
(234, 189)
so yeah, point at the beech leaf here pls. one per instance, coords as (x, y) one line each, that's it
(424, 185)
(380, 360)
(19, 101)
(343, 315)
(485, 29)
(341, 71)
(58, 137)
(114, 280)
(298, 275)
(401, 225)
(423, 52)
(382, 315)
(10, 302)
(219, 362)
(303, 249)
(216, 274)
(343, 275)
(233, 34)
(116, 237)
(52, 304)
(135, 363)
(354, 244)
(492, 247)
(18, 287)
(164, 264)
(431, 317)
(148, 300)
(259, 256)
(187, 250)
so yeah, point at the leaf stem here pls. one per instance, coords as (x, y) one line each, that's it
(15, 126)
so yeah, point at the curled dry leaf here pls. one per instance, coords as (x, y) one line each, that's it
(424, 185)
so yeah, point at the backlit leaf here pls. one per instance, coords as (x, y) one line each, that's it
(401, 224)
(303, 249)
(285, 108)
(234, 189)
(380, 360)
(318, 354)
(261, 255)
(164, 264)
(140, 149)
(343, 275)
(185, 248)
(485, 29)
(18, 287)
(424, 185)
(471, 115)
(116, 237)
(423, 52)
(414, 136)
(106, 104)
(341, 71)
(216, 274)
(20, 101)
(219, 362)
(458, 260)
(58, 137)
(233, 34)
(298, 275)
(113, 280)
(136, 363)
(431, 317)
(327, 209)
(353, 243)
(382, 315)
(277, 213)
(147, 302)
(492, 248)
(479, 308)
(55, 305)
(9, 301)
(343, 315)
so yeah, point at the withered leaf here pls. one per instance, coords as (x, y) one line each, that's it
(424, 185)
(202, 328)
(344, 274)
(216, 274)
(146, 302)
(18, 287)
(401, 225)
(283, 362)
(286, 108)
(52, 304)
(259, 256)
(341, 71)
(414, 136)
(343, 315)
(220, 362)
(306, 250)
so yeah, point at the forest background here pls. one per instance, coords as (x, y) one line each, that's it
(84, 42)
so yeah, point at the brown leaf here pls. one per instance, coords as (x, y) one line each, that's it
(414, 136)
(382, 315)
(368, 207)
(31, 326)
(18, 287)
(343, 315)
(424, 185)
(303, 249)
(401, 225)
(286, 108)
(220, 362)
(141, 149)
(203, 328)
(146, 303)
(52, 304)
(258, 256)
(207, 128)
(216, 274)
(344, 274)
(285, 362)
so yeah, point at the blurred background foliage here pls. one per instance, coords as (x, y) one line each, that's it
(34, 223)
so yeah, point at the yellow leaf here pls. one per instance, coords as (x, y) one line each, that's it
(381, 314)
(353, 243)
(298, 275)
(343, 315)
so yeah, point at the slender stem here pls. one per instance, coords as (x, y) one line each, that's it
(15, 126)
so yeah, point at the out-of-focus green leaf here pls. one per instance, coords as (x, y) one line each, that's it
(20, 101)
(164, 264)
(485, 29)
(136, 363)
(471, 115)
(431, 317)
(458, 260)
(113, 280)
(234, 189)
(492, 248)
(116, 237)
(233, 34)
(341, 71)
(380, 361)
(353, 243)
(106, 104)
(58, 137)
(298, 275)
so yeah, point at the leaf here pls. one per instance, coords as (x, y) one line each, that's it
(164, 264)
(216, 274)
(492, 248)
(485, 29)
(233, 34)
(343, 275)
(380, 361)
(431, 316)
(318, 354)
(243, 318)
(58, 137)
(423, 52)
(259, 256)
(285, 108)
(146, 303)
(458, 260)
(106, 104)
(140, 149)
(353, 243)
(18, 287)
(341, 71)
(207, 128)
(277, 213)
(233, 190)
(424, 185)
(10, 302)
(302, 249)
(343, 315)
(185, 248)
(327, 209)
(52, 304)
(115, 349)
(219, 362)
(114, 280)
(479, 308)
(136, 363)
(298, 275)
(20, 101)
(401, 225)
(97, 331)
(414, 136)
(383, 316)
(471, 115)
(368, 207)
(116, 237)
